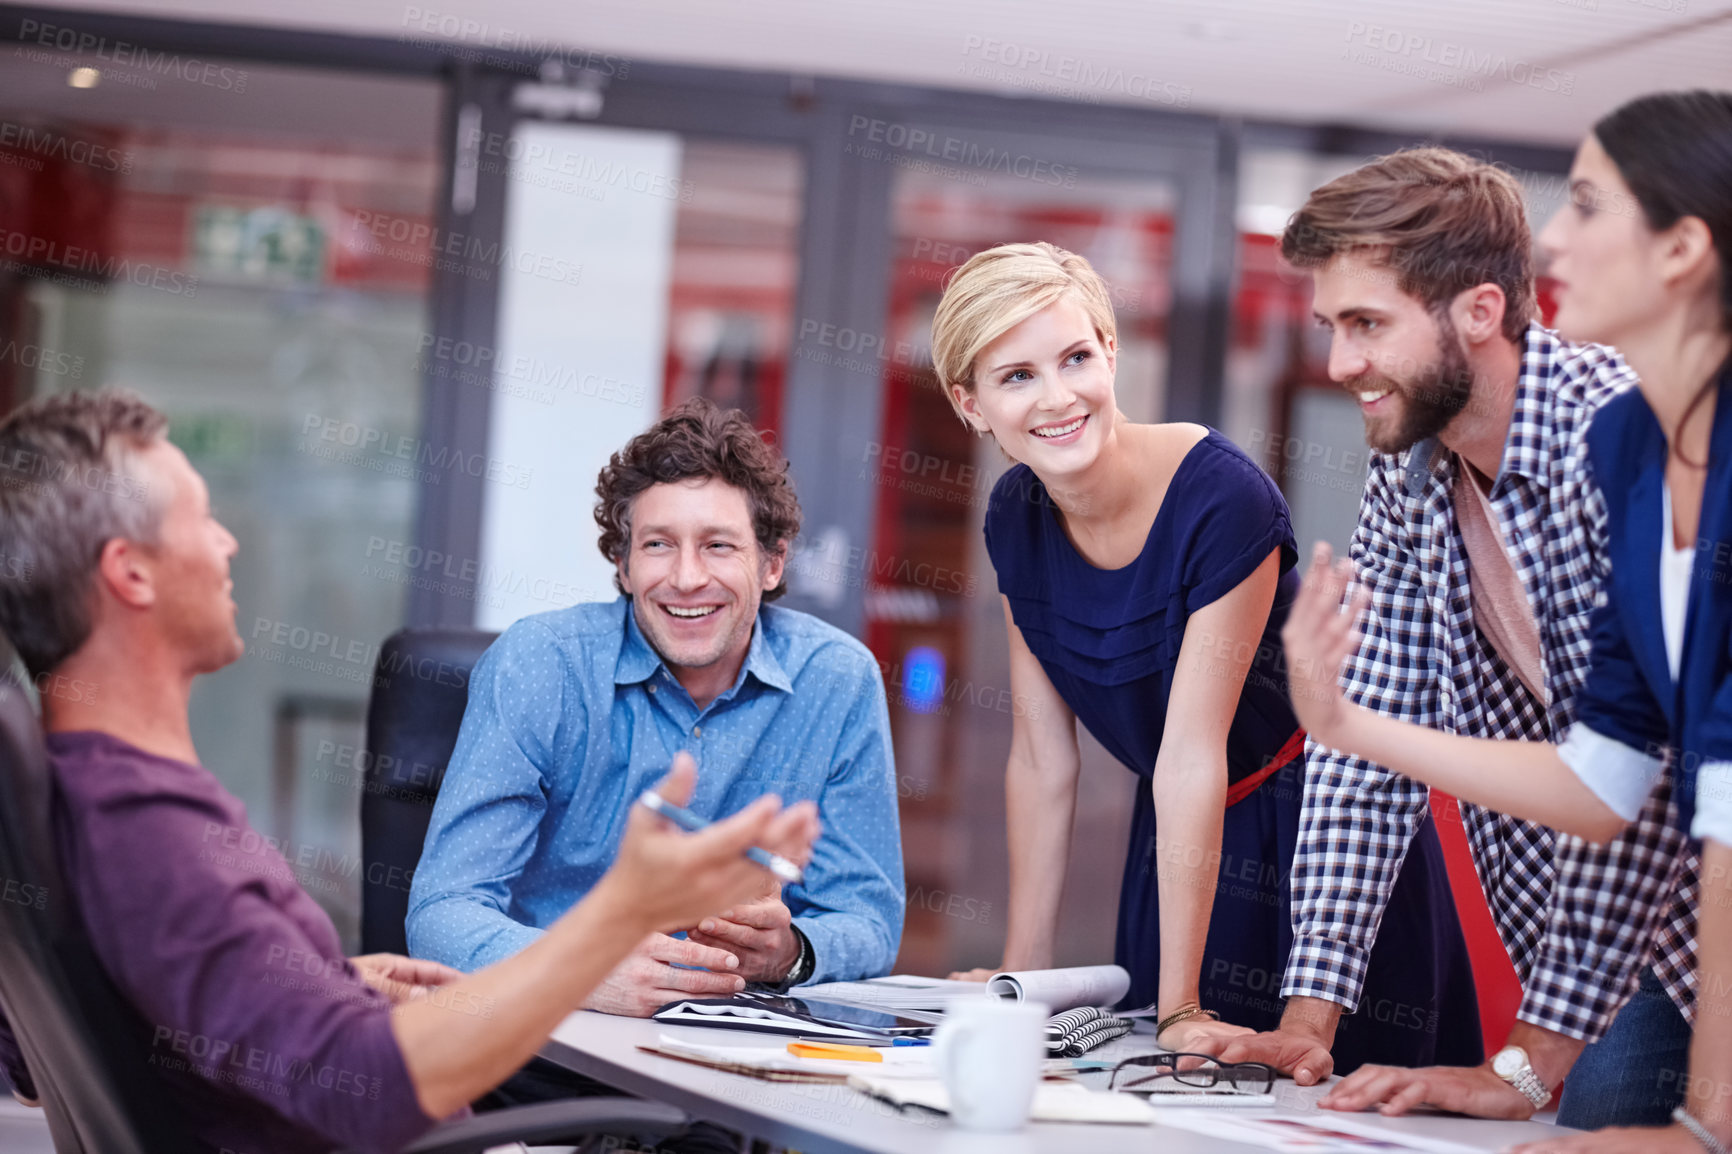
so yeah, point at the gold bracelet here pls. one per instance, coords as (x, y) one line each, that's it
(1184, 1014)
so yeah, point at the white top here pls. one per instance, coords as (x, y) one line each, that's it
(1714, 778)
(1675, 566)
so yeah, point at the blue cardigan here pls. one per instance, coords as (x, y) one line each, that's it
(1630, 697)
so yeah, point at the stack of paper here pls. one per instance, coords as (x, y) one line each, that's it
(775, 1064)
(1053, 1101)
(896, 992)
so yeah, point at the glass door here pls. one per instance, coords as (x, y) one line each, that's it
(932, 613)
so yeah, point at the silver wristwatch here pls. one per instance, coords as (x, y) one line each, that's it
(803, 962)
(1512, 1065)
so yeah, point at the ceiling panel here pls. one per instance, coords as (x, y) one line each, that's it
(1533, 70)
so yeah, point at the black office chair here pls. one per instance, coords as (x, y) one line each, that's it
(420, 689)
(81, 1039)
(70, 1021)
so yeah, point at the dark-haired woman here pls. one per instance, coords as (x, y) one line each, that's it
(1643, 258)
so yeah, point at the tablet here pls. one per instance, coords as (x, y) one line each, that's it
(859, 1017)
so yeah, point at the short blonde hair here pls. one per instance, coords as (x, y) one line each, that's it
(999, 289)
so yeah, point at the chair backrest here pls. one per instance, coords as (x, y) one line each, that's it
(420, 689)
(84, 1043)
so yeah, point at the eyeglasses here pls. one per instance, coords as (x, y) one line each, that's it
(1195, 1070)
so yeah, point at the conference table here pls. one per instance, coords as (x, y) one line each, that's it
(822, 1118)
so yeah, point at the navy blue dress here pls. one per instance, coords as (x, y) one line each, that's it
(1109, 641)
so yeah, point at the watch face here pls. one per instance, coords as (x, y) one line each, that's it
(1508, 1062)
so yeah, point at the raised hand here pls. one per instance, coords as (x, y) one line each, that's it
(678, 878)
(1318, 637)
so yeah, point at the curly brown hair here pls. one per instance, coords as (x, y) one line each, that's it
(698, 441)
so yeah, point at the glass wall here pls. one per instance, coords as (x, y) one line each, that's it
(254, 262)
(736, 261)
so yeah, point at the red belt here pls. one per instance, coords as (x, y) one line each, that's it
(1245, 787)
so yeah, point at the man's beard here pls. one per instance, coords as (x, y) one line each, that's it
(1428, 405)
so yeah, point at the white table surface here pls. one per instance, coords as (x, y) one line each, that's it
(820, 1118)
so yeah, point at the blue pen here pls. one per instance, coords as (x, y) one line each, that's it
(692, 823)
(901, 1041)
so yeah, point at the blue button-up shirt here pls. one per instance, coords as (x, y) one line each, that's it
(572, 715)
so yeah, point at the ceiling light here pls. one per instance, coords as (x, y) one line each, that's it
(83, 77)
(1212, 31)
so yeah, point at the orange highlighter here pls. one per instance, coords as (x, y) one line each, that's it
(834, 1051)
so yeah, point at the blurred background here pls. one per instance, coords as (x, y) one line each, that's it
(402, 276)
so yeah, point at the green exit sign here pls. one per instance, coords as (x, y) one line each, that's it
(266, 244)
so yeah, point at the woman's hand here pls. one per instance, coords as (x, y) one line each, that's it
(1183, 1036)
(975, 975)
(1318, 636)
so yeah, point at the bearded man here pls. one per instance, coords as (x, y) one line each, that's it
(1481, 541)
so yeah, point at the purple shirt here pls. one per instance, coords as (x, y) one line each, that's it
(263, 1035)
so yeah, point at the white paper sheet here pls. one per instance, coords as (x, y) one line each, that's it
(1310, 1133)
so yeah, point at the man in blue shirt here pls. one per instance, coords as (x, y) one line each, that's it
(573, 713)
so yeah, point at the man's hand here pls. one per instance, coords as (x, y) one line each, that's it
(1318, 637)
(759, 932)
(670, 879)
(1471, 1090)
(402, 979)
(648, 978)
(1632, 1140)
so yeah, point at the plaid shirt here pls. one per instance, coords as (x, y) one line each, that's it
(1579, 920)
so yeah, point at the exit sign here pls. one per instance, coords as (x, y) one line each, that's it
(267, 244)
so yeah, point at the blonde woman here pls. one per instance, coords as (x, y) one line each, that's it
(1146, 571)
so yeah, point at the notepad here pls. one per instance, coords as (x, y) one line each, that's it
(773, 1063)
(1076, 1032)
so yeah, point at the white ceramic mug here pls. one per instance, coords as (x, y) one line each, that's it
(989, 1053)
